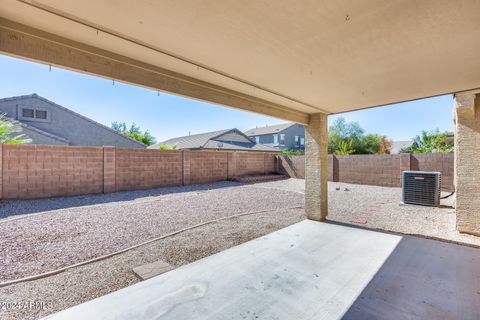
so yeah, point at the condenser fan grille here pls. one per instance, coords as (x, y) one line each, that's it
(421, 188)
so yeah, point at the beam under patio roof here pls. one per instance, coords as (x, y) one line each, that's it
(26, 42)
(272, 58)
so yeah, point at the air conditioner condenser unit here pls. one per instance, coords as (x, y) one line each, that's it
(421, 188)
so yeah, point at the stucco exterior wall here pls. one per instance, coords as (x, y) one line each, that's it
(290, 133)
(38, 138)
(316, 168)
(78, 130)
(467, 161)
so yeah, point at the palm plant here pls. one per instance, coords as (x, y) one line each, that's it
(431, 142)
(8, 130)
(345, 147)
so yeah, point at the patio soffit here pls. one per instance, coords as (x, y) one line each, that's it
(301, 58)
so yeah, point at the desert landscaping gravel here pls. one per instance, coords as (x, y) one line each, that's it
(11, 209)
(45, 242)
(43, 234)
(87, 282)
(377, 207)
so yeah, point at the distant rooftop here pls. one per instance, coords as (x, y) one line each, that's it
(228, 139)
(268, 129)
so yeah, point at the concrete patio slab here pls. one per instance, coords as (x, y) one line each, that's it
(151, 270)
(307, 270)
(423, 279)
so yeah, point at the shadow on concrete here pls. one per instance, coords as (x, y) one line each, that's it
(423, 279)
(12, 208)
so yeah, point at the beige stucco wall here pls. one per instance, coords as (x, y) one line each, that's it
(467, 162)
(316, 168)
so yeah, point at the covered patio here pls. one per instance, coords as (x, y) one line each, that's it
(308, 270)
(300, 62)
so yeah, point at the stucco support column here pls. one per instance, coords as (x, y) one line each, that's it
(467, 161)
(316, 168)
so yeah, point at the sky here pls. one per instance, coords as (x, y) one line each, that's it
(166, 116)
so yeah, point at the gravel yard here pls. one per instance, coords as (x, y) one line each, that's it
(42, 235)
(87, 282)
(49, 240)
(379, 208)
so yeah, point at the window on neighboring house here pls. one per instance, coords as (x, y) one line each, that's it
(257, 139)
(33, 114)
(282, 138)
(27, 113)
(302, 141)
(275, 139)
(296, 139)
(41, 114)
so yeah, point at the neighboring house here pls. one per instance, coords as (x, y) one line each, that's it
(398, 145)
(282, 136)
(46, 122)
(229, 139)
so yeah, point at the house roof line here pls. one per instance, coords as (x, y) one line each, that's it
(36, 96)
(208, 135)
(39, 131)
(206, 141)
(221, 133)
(227, 131)
(268, 129)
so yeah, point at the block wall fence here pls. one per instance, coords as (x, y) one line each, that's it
(377, 169)
(39, 171)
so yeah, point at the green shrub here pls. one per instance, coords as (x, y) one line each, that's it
(167, 147)
(290, 152)
(8, 130)
(134, 132)
(430, 142)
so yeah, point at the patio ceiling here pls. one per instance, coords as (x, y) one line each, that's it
(269, 57)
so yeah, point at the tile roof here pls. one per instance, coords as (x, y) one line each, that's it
(268, 129)
(192, 141)
(207, 141)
